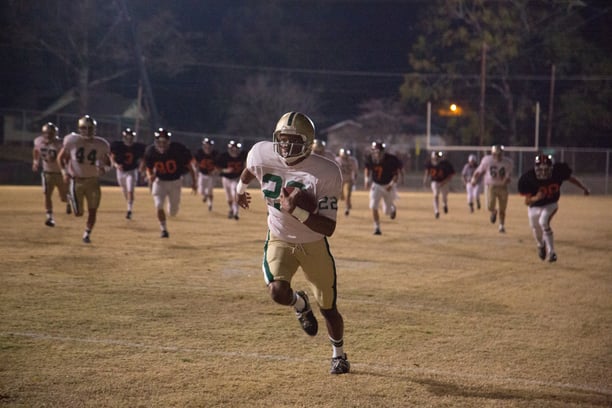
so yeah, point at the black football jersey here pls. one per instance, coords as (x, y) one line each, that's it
(205, 162)
(171, 164)
(529, 184)
(128, 156)
(383, 172)
(440, 171)
(237, 164)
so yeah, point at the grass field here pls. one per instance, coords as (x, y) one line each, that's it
(438, 313)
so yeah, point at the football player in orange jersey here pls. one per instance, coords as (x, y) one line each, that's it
(166, 162)
(440, 171)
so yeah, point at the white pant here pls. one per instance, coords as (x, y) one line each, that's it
(127, 180)
(473, 191)
(539, 221)
(205, 184)
(171, 189)
(379, 192)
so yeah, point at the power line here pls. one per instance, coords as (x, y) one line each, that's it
(380, 74)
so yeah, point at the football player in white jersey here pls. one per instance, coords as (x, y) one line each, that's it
(497, 171)
(45, 151)
(301, 191)
(348, 167)
(83, 159)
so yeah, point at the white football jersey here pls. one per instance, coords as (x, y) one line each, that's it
(495, 172)
(85, 154)
(317, 175)
(48, 153)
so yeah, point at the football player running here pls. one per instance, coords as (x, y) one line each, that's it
(83, 159)
(497, 171)
(472, 191)
(301, 190)
(541, 187)
(166, 162)
(230, 164)
(45, 151)
(381, 170)
(205, 158)
(441, 172)
(349, 168)
(127, 157)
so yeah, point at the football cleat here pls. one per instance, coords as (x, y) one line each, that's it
(340, 365)
(50, 222)
(437, 215)
(542, 252)
(445, 209)
(552, 257)
(165, 234)
(68, 209)
(471, 207)
(86, 239)
(128, 215)
(501, 228)
(307, 319)
(493, 217)
(478, 204)
(393, 213)
(377, 231)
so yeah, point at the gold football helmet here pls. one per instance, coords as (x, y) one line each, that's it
(294, 124)
(497, 150)
(49, 130)
(87, 126)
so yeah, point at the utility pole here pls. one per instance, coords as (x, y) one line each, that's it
(483, 73)
(144, 77)
(550, 105)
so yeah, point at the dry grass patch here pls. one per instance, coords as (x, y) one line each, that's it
(441, 312)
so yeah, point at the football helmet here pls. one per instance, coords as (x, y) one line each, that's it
(87, 126)
(472, 158)
(378, 150)
(436, 157)
(234, 148)
(207, 142)
(318, 146)
(497, 150)
(162, 140)
(543, 166)
(344, 152)
(128, 136)
(294, 124)
(49, 130)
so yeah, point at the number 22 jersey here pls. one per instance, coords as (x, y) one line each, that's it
(317, 175)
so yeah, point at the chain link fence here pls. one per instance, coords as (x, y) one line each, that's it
(19, 128)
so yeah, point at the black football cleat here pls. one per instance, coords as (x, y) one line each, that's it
(86, 239)
(50, 222)
(377, 231)
(445, 209)
(165, 234)
(307, 319)
(552, 257)
(493, 217)
(542, 252)
(340, 365)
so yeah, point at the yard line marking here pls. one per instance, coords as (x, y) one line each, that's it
(364, 366)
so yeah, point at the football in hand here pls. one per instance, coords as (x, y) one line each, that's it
(300, 198)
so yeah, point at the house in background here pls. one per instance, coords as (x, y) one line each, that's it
(405, 136)
(112, 112)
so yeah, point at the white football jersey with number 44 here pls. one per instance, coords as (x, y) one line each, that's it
(317, 175)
